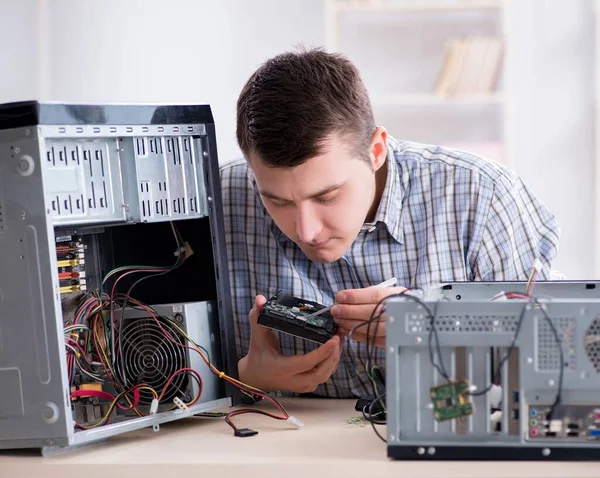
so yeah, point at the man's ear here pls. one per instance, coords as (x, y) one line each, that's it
(379, 148)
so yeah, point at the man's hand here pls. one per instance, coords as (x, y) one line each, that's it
(355, 306)
(266, 368)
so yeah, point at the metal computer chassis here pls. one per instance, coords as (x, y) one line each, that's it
(470, 332)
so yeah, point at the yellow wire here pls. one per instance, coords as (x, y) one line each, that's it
(114, 403)
(530, 278)
(214, 369)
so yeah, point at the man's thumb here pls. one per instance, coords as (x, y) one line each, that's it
(259, 301)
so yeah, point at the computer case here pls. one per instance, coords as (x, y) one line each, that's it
(113, 271)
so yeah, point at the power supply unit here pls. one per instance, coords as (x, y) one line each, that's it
(115, 309)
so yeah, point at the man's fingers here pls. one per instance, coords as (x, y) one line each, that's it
(309, 380)
(295, 364)
(346, 325)
(359, 311)
(369, 295)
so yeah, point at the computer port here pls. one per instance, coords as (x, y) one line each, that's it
(533, 412)
(594, 432)
(533, 432)
(550, 434)
(573, 433)
(533, 422)
(515, 397)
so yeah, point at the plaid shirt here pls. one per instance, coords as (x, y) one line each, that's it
(444, 216)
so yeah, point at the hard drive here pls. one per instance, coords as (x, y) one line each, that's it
(290, 315)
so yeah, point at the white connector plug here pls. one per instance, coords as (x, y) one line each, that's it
(154, 406)
(294, 421)
(537, 265)
(179, 404)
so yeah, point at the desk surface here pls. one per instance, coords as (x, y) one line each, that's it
(326, 446)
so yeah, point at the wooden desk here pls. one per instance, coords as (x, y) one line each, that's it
(327, 446)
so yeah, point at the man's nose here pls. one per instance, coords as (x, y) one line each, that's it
(308, 223)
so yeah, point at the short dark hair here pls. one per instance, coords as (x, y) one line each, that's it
(294, 101)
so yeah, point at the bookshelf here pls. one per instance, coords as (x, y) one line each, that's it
(435, 69)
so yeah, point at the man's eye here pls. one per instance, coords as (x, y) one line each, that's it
(278, 203)
(329, 199)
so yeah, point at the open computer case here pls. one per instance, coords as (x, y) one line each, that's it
(113, 281)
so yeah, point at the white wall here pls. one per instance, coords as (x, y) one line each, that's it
(202, 50)
(552, 66)
(18, 50)
(181, 50)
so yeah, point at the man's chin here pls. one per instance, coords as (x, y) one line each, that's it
(323, 255)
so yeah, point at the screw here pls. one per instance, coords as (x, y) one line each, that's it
(23, 214)
(17, 150)
(551, 383)
(421, 450)
(50, 442)
(431, 450)
(546, 451)
(529, 360)
(209, 198)
(418, 340)
(27, 132)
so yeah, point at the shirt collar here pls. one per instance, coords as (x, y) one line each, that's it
(390, 204)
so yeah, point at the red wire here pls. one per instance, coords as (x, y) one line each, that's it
(249, 410)
(191, 370)
(108, 396)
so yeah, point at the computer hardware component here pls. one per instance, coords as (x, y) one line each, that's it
(290, 315)
(486, 290)
(451, 400)
(548, 369)
(115, 297)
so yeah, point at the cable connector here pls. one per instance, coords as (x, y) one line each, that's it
(154, 406)
(186, 250)
(179, 404)
(537, 265)
(294, 421)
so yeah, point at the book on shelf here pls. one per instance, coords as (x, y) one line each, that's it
(471, 66)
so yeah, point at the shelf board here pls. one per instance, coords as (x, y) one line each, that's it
(430, 99)
(415, 6)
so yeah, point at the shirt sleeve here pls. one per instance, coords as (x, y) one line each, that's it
(518, 230)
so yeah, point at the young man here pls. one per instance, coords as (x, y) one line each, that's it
(326, 204)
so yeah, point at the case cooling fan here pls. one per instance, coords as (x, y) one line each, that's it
(592, 343)
(152, 358)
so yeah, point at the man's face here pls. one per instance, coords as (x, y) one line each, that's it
(322, 204)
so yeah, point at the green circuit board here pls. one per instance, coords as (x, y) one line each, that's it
(450, 401)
